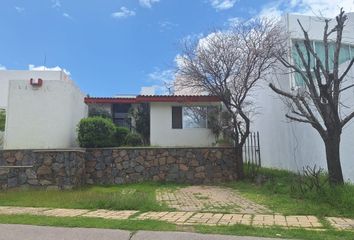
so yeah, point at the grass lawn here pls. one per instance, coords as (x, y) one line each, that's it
(139, 196)
(133, 225)
(278, 193)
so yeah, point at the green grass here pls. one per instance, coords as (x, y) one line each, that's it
(119, 197)
(131, 225)
(277, 194)
(135, 225)
(275, 232)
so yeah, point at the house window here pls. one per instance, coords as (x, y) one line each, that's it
(190, 117)
(194, 117)
(176, 117)
(121, 115)
(346, 53)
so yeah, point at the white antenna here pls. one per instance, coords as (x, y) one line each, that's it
(45, 61)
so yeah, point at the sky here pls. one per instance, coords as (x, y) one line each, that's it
(115, 47)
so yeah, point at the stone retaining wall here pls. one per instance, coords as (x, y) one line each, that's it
(189, 165)
(72, 168)
(62, 169)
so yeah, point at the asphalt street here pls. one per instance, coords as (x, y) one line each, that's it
(29, 232)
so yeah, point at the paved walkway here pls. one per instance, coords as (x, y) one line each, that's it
(210, 199)
(189, 218)
(26, 232)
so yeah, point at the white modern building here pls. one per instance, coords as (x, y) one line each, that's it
(292, 145)
(43, 109)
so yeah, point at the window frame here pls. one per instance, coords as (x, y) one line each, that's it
(294, 82)
(207, 108)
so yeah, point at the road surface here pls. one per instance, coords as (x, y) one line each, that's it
(29, 232)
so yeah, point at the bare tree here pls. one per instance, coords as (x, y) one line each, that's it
(319, 103)
(228, 64)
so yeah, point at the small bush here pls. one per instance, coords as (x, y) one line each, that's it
(95, 132)
(2, 119)
(311, 180)
(120, 135)
(133, 139)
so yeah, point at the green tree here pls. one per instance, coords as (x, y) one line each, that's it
(141, 114)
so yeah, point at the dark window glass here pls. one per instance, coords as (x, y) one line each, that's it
(176, 117)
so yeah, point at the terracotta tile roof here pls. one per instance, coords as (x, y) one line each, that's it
(153, 98)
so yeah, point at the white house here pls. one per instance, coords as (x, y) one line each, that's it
(291, 145)
(42, 109)
(171, 117)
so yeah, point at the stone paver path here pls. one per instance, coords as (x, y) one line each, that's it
(214, 219)
(58, 212)
(172, 217)
(341, 223)
(191, 218)
(209, 198)
(110, 214)
(22, 210)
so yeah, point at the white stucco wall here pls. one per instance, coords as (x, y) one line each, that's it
(162, 134)
(291, 145)
(44, 117)
(8, 75)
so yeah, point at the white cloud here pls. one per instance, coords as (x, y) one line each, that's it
(222, 4)
(123, 13)
(233, 21)
(2, 67)
(147, 3)
(192, 37)
(167, 25)
(19, 9)
(325, 8)
(162, 81)
(68, 16)
(271, 12)
(56, 4)
(162, 75)
(32, 67)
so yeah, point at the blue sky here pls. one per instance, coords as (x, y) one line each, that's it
(117, 46)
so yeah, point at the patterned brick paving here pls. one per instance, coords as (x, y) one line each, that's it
(110, 214)
(173, 217)
(286, 221)
(191, 218)
(341, 223)
(58, 212)
(22, 210)
(210, 199)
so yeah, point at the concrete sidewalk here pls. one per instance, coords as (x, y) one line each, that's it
(28, 232)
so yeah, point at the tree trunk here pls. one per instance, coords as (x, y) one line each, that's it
(239, 163)
(332, 144)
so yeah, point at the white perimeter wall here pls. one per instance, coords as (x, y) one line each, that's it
(45, 117)
(8, 75)
(162, 134)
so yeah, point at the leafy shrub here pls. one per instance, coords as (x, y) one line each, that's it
(133, 139)
(2, 120)
(120, 135)
(95, 132)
